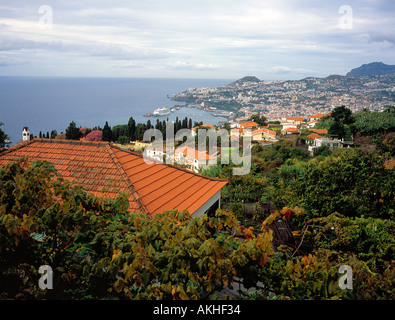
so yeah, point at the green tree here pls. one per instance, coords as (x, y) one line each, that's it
(342, 114)
(351, 183)
(131, 129)
(73, 132)
(261, 120)
(3, 136)
(337, 129)
(123, 139)
(54, 133)
(107, 133)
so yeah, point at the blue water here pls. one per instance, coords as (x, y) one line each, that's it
(44, 104)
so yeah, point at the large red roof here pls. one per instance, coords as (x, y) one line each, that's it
(98, 166)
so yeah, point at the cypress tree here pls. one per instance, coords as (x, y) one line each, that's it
(132, 129)
(107, 133)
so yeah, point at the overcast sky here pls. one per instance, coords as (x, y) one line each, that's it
(222, 39)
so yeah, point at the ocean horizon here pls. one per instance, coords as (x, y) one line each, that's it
(48, 103)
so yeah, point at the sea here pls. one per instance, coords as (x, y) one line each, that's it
(44, 104)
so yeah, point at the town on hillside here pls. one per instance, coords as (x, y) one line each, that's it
(285, 98)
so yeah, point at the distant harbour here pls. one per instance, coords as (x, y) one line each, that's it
(44, 104)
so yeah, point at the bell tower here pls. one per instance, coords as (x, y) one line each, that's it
(25, 134)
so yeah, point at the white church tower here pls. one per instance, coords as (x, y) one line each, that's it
(25, 134)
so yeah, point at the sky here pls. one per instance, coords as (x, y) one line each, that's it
(207, 39)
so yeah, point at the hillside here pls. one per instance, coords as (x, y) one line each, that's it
(372, 69)
(246, 79)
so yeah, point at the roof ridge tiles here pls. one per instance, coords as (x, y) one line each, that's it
(18, 146)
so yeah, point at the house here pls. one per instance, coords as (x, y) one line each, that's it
(318, 116)
(195, 159)
(289, 130)
(106, 170)
(203, 126)
(331, 143)
(263, 134)
(247, 125)
(293, 120)
(314, 136)
(311, 123)
(158, 155)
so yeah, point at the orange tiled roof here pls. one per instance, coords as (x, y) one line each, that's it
(267, 131)
(294, 118)
(203, 126)
(248, 124)
(291, 130)
(318, 115)
(197, 155)
(154, 187)
(319, 131)
(314, 136)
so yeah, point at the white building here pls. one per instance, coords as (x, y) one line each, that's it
(25, 134)
(325, 141)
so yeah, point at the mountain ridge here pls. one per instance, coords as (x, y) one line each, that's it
(372, 69)
(245, 79)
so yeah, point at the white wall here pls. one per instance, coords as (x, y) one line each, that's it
(207, 205)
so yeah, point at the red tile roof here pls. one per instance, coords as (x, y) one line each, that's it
(314, 136)
(291, 129)
(267, 131)
(204, 126)
(318, 115)
(196, 154)
(294, 118)
(154, 187)
(319, 131)
(248, 124)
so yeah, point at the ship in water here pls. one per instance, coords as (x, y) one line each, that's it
(161, 112)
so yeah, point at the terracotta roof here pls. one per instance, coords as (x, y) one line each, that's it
(196, 154)
(294, 118)
(290, 130)
(318, 115)
(153, 187)
(248, 124)
(203, 126)
(267, 131)
(319, 131)
(314, 136)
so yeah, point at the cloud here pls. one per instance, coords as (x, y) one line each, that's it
(192, 37)
(382, 36)
(179, 65)
(285, 70)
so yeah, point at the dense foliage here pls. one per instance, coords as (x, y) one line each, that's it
(351, 183)
(367, 122)
(97, 249)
